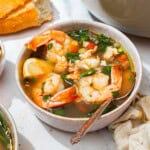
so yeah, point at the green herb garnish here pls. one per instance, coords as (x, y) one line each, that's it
(88, 72)
(130, 78)
(67, 80)
(29, 80)
(49, 46)
(72, 57)
(63, 75)
(85, 35)
(59, 111)
(102, 47)
(79, 35)
(4, 140)
(115, 94)
(104, 41)
(107, 70)
(94, 108)
(121, 50)
(46, 97)
(109, 108)
(5, 136)
(82, 50)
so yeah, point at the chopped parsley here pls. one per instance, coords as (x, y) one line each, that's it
(107, 70)
(59, 111)
(130, 78)
(121, 50)
(67, 80)
(26, 80)
(79, 35)
(85, 35)
(49, 46)
(88, 72)
(115, 94)
(104, 41)
(72, 57)
(109, 108)
(46, 97)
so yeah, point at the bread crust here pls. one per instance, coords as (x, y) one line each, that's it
(7, 6)
(26, 17)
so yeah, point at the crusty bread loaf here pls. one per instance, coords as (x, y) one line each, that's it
(31, 14)
(7, 6)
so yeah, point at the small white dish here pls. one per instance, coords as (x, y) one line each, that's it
(2, 57)
(11, 125)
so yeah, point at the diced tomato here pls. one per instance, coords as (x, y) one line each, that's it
(122, 58)
(74, 47)
(91, 45)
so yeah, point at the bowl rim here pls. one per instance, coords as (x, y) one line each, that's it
(12, 124)
(87, 22)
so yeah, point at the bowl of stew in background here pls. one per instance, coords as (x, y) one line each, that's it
(8, 131)
(59, 109)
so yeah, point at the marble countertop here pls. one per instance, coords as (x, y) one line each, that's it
(34, 134)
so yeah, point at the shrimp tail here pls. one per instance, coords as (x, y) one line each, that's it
(63, 97)
(44, 38)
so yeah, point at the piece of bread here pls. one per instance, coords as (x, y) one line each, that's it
(31, 14)
(7, 6)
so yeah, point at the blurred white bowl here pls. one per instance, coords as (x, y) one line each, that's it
(131, 16)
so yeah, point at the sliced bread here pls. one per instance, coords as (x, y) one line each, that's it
(32, 14)
(7, 6)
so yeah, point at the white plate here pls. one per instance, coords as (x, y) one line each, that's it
(130, 16)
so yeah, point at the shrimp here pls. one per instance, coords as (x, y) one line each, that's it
(92, 62)
(110, 53)
(47, 85)
(87, 61)
(87, 54)
(60, 37)
(96, 88)
(124, 61)
(61, 98)
(51, 86)
(60, 62)
(60, 43)
(74, 75)
(45, 37)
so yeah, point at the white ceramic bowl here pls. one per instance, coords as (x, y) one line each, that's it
(131, 16)
(2, 57)
(10, 122)
(73, 124)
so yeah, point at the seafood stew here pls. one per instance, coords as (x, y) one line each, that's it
(5, 136)
(72, 73)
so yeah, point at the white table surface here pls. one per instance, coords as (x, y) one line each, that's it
(33, 134)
